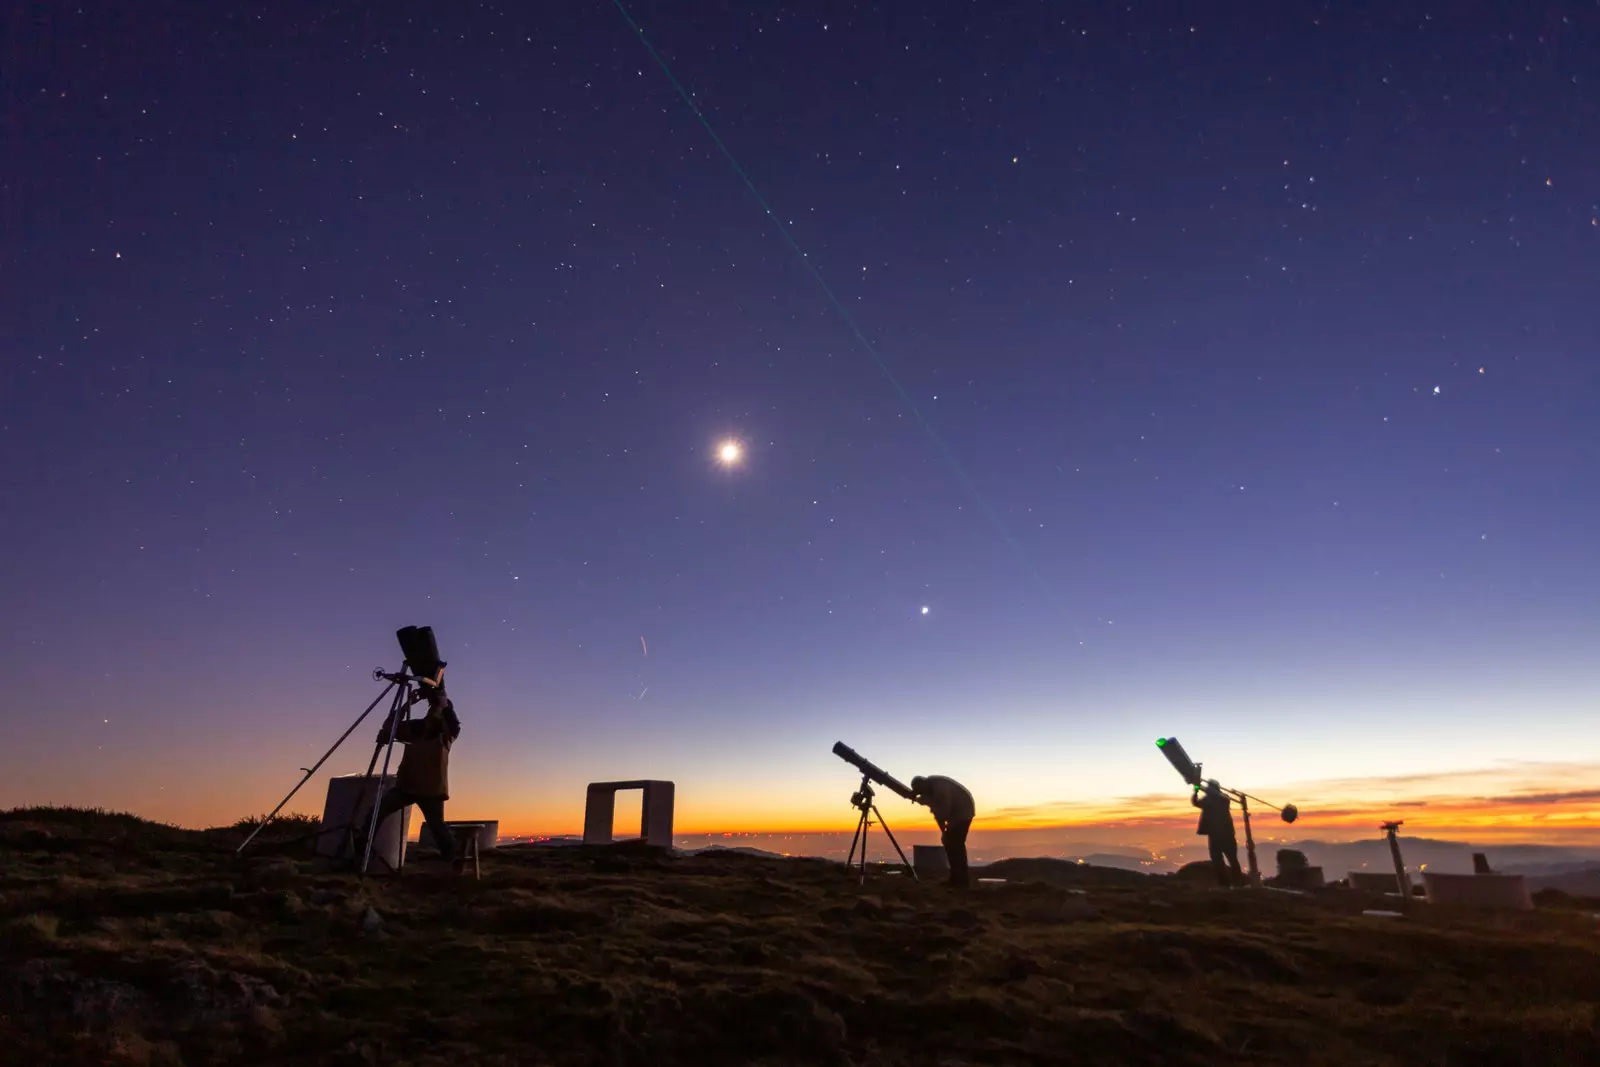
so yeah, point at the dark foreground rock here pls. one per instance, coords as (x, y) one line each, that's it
(122, 944)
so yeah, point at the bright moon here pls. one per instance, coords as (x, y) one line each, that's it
(730, 452)
(924, 609)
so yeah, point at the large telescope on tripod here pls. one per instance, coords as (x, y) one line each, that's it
(863, 802)
(1190, 771)
(421, 671)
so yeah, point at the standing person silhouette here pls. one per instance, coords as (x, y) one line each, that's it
(423, 778)
(1216, 826)
(953, 810)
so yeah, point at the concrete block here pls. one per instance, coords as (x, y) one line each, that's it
(1507, 892)
(1374, 881)
(930, 861)
(350, 798)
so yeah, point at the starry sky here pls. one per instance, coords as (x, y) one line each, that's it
(1097, 375)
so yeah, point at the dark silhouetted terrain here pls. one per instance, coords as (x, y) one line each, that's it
(131, 943)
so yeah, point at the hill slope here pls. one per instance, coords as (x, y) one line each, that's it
(127, 943)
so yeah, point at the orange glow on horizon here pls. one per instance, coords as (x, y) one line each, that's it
(1544, 803)
(1143, 827)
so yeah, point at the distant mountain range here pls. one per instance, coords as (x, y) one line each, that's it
(1572, 870)
(1449, 857)
(1420, 853)
(743, 850)
(1580, 883)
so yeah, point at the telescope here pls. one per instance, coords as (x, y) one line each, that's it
(871, 770)
(1190, 771)
(1188, 768)
(421, 671)
(862, 801)
(421, 653)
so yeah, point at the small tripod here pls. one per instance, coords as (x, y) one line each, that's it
(863, 802)
(402, 684)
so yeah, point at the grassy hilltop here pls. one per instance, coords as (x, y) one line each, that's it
(126, 942)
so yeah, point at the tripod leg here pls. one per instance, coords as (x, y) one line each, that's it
(860, 835)
(352, 829)
(866, 827)
(377, 800)
(314, 767)
(1254, 876)
(896, 844)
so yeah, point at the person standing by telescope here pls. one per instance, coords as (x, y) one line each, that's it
(953, 810)
(1216, 826)
(423, 778)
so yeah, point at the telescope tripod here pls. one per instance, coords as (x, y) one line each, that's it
(863, 802)
(1391, 830)
(404, 697)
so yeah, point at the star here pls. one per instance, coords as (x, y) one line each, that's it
(729, 453)
(924, 609)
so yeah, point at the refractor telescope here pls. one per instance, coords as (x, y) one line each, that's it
(862, 801)
(871, 770)
(1190, 770)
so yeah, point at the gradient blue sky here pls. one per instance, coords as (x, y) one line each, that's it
(1245, 378)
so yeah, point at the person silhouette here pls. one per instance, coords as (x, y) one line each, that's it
(423, 778)
(953, 810)
(1216, 826)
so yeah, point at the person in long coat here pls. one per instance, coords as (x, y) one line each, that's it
(1216, 826)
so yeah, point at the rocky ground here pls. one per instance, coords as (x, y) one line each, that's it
(124, 942)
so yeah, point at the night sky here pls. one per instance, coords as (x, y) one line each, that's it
(1098, 375)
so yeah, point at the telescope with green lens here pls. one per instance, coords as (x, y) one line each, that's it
(1190, 770)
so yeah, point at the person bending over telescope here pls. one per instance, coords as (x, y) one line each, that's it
(953, 810)
(1216, 826)
(424, 775)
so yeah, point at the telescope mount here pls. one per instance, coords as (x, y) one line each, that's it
(863, 802)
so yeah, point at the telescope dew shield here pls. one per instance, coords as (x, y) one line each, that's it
(870, 769)
(1179, 759)
(421, 652)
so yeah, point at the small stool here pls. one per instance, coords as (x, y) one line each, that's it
(470, 848)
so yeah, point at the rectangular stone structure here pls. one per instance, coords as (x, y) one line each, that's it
(349, 801)
(600, 809)
(930, 861)
(1374, 882)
